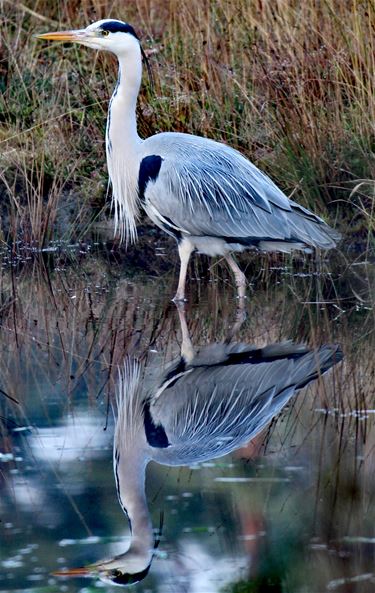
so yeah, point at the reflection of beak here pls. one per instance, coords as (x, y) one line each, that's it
(74, 572)
(79, 35)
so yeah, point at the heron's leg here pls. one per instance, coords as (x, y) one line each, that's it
(238, 274)
(185, 249)
(187, 350)
(240, 318)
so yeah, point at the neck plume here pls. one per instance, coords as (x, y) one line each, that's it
(130, 460)
(130, 482)
(122, 144)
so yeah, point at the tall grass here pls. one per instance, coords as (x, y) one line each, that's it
(290, 84)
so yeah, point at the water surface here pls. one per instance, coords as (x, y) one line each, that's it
(293, 510)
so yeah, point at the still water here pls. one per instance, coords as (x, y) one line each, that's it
(250, 487)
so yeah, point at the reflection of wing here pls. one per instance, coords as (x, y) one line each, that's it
(208, 189)
(208, 410)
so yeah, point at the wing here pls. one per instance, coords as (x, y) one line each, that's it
(209, 411)
(205, 188)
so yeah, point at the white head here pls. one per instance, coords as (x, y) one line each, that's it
(124, 570)
(110, 35)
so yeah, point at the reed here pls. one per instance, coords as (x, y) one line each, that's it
(291, 85)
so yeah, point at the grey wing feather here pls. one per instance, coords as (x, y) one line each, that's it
(208, 189)
(212, 410)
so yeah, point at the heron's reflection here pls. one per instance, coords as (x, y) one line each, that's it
(207, 403)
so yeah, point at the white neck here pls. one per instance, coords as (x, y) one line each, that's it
(123, 142)
(123, 123)
(130, 481)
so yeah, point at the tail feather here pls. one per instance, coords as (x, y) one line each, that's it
(310, 229)
(317, 363)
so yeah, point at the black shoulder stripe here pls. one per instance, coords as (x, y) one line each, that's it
(254, 241)
(118, 27)
(178, 368)
(258, 356)
(155, 434)
(148, 171)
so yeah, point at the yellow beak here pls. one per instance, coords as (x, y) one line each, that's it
(63, 36)
(74, 572)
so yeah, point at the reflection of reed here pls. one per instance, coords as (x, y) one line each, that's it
(64, 332)
(86, 318)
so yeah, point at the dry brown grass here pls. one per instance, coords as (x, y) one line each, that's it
(290, 84)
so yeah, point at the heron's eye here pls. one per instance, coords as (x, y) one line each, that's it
(105, 33)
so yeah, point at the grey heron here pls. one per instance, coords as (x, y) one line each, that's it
(208, 196)
(205, 404)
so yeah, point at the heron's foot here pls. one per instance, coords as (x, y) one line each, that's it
(180, 306)
(241, 287)
(179, 298)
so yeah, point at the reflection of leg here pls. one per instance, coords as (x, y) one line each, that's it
(238, 274)
(184, 249)
(187, 350)
(240, 318)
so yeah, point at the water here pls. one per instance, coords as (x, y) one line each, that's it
(291, 511)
